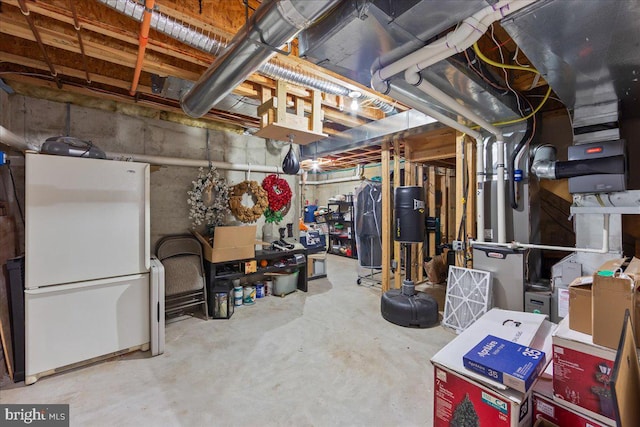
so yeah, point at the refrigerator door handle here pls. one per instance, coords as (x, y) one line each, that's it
(147, 218)
(84, 285)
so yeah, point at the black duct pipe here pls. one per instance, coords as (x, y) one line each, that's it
(511, 167)
(602, 165)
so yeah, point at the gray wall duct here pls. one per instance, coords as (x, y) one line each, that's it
(272, 25)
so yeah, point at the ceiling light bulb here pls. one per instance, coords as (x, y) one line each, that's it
(315, 165)
(354, 105)
(355, 94)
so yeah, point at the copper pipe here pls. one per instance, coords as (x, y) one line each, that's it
(25, 11)
(76, 26)
(144, 37)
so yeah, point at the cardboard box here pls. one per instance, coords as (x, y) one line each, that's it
(249, 266)
(580, 301)
(612, 295)
(556, 413)
(514, 365)
(230, 243)
(458, 399)
(494, 403)
(581, 373)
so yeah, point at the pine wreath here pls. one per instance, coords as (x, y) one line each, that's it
(244, 213)
(278, 192)
(208, 198)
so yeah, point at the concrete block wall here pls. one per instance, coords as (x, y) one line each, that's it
(323, 192)
(37, 119)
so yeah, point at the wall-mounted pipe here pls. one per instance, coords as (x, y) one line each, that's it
(176, 161)
(272, 25)
(480, 177)
(142, 44)
(333, 181)
(517, 245)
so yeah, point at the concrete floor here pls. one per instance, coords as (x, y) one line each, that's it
(320, 358)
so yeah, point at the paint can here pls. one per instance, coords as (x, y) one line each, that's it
(268, 287)
(260, 290)
(249, 295)
(237, 295)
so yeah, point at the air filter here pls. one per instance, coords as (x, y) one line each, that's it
(468, 297)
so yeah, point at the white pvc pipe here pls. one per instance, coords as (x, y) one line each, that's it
(413, 77)
(480, 189)
(516, 245)
(175, 161)
(500, 196)
(333, 181)
(12, 140)
(468, 32)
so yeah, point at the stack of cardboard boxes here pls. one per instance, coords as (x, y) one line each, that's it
(585, 348)
(575, 390)
(464, 397)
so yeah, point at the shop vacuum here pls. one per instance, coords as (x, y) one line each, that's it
(404, 306)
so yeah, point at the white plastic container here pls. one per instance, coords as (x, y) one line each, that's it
(285, 284)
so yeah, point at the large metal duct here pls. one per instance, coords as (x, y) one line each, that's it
(212, 44)
(273, 24)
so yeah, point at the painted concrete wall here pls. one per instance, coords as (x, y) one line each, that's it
(321, 193)
(37, 119)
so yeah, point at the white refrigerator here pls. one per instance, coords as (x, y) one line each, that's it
(88, 292)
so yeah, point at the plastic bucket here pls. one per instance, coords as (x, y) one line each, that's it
(237, 295)
(260, 290)
(249, 295)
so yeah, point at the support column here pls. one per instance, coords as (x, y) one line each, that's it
(420, 246)
(431, 203)
(397, 278)
(460, 196)
(386, 218)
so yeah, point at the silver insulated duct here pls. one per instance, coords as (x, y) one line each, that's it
(273, 24)
(211, 43)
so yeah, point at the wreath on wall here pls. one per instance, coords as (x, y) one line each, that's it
(260, 199)
(208, 198)
(278, 192)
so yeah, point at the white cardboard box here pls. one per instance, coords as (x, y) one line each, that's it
(494, 403)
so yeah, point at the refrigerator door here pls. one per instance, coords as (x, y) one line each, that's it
(79, 322)
(86, 219)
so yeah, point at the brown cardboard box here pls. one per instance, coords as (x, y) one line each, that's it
(230, 243)
(580, 304)
(611, 297)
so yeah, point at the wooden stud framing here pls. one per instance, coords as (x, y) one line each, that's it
(419, 260)
(444, 206)
(431, 203)
(386, 218)
(397, 278)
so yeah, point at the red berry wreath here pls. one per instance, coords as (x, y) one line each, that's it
(278, 192)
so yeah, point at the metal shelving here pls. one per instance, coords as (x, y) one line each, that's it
(341, 234)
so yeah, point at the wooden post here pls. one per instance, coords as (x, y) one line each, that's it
(316, 112)
(444, 206)
(431, 180)
(281, 96)
(460, 200)
(419, 259)
(451, 205)
(397, 278)
(386, 218)
(265, 95)
(410, 179)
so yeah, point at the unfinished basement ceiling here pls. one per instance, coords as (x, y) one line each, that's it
(91, 48)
